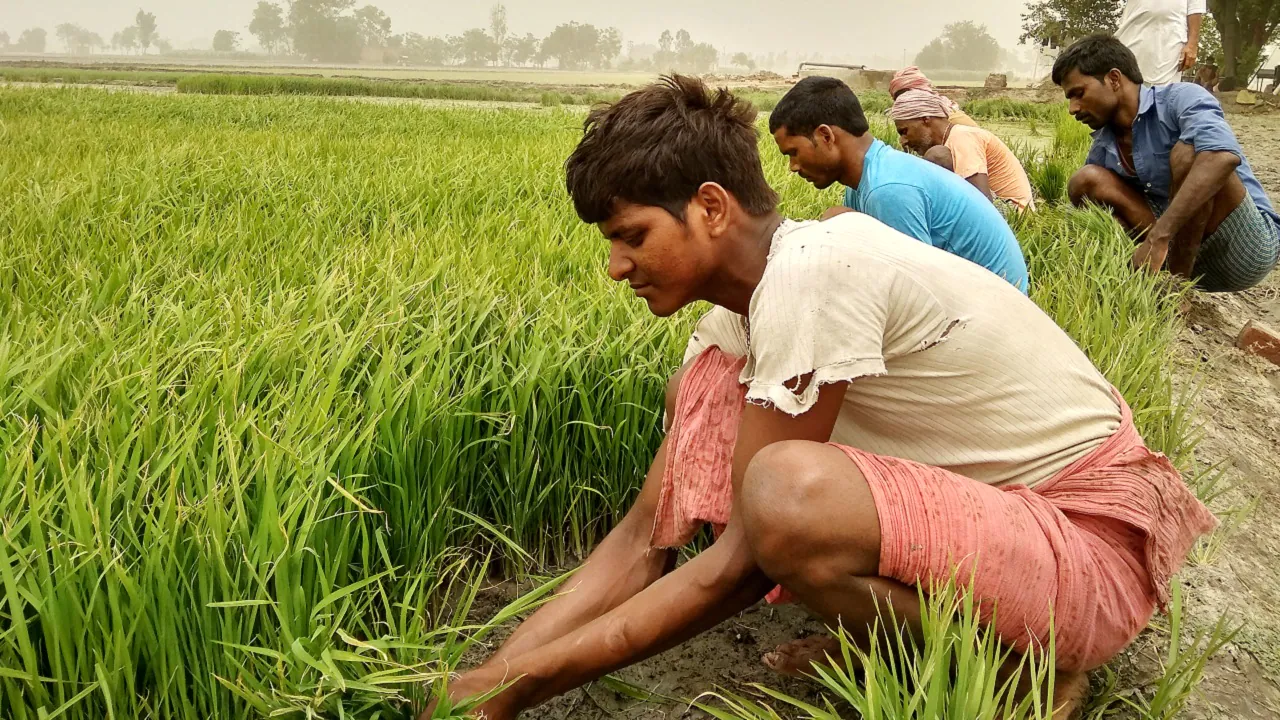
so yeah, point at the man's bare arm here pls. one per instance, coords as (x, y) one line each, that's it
(1209, 172)
(1192, 48)
(983, 183)
(717, 584)
(621, 566)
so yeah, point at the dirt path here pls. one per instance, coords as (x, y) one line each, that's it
(1240, 405)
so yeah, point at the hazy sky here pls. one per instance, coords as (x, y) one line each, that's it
(860, 28)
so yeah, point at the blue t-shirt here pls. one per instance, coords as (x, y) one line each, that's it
(938, 207)
(1168, 115)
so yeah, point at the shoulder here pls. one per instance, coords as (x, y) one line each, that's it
(852, 241)
(1182, 96)
(967, 133)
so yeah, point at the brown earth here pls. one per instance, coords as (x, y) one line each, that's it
(1236, 576)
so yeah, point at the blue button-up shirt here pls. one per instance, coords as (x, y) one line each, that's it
(1167, 115)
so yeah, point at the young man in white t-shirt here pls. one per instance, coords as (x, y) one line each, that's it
(860, 415)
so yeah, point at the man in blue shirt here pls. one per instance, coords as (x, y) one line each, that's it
(1166, 163)
(820, 126)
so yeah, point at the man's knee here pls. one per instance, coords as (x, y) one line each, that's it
(940, 155)
(1086, 183)
(787, 486)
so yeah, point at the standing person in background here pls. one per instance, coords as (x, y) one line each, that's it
(1164, 35)
(974, 154)
(910, 78)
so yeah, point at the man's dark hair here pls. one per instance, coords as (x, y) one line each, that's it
(818, 101)
(1096, 56)
(658, 145)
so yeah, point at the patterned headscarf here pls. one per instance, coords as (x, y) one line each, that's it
(918, 105)
(909, 78)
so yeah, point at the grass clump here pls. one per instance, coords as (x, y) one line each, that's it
(947, 673)
(1002, 108)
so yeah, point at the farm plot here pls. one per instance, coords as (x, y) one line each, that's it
(277, 373)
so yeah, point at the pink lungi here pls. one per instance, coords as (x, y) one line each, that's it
(1093, 549)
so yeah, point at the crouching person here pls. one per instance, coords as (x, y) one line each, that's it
(860, 415)
(1167, 165)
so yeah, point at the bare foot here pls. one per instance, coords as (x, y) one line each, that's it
(796, 658)
(1070, 691)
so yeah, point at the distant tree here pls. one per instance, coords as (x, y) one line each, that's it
(575, 46)
(934, 55)
(164, 46)
(699, 58)
(321, 30)
(268, 26)
(608, 47)
(375, 26)
(684, 41)
(77, 40)
(420, 50)
(478, 48)
(4, 40)
(126, 39)
(498, 30)
(1058, 23)
(743, 61)
(93, 41)
(524, 50)
(69, 34)
(146, 23)
(225, 41)
(32, 40)
(962, 46)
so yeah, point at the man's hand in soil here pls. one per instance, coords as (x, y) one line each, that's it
(475, 684)
(712, 587)
(1151, 254)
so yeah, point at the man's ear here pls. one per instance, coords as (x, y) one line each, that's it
(716, 206)
(1115, 79)
(823, 135)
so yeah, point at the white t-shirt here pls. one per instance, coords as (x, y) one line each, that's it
(1156, 32)
(950, 365)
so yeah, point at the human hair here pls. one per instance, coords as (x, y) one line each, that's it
(818, 101)
(1097, 55)
(658, 145)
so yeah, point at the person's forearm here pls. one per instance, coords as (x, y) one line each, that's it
(1208, 173)
(714, 586)
(1193, 29)
(620, 567)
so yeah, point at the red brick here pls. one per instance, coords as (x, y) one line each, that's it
(1260, 340)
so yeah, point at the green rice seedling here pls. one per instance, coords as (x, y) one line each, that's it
(947, 673)
(1049, 178)
(1010, 109)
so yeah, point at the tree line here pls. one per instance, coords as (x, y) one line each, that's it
(338, 31)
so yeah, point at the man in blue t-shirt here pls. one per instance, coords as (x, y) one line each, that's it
(820, 126)
(1167, 165)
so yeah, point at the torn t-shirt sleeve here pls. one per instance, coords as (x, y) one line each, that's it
(833, 313)
(721, 328)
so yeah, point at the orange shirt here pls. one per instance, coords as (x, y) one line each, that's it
(975, 151)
